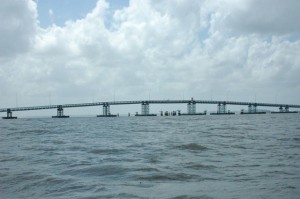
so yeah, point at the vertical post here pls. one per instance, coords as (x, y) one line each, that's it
(219, 108)
(145, 108)
(286, 108)
(60, 112)
(106, 109)
(189, 108)
(280, 109)
(254, 109)
(223, 107)
(250, 108)
(9, 115)
(193, 105)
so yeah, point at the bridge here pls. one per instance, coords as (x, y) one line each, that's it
(145, 107)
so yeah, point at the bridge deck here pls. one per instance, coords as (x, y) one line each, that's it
(29, 108)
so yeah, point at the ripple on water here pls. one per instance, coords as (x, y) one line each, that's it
(197, 166)
(98, 171)
(297, 139)
(192, 147)
(192, 197)
(168, 177)
(106, 151)
(120, 195)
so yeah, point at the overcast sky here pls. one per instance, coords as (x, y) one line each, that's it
(70, 51)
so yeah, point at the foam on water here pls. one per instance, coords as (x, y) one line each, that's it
(239, 156)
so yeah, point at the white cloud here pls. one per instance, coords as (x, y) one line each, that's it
(17, 26)
(274, 17)
(158, 46)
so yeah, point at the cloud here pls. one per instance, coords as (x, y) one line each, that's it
(198, 48)
(274, 17)
(18, 24)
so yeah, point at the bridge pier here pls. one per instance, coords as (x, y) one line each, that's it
(286, 109)
(9, 115)
(60, 113)
(252, 109)
(221, 110)
(106, 111)
(145, 110)
(191, 109)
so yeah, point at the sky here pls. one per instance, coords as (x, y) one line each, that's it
(73, 51)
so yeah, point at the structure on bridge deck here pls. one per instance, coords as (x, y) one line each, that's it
(60, 112)
(9, 115)
(106, 111)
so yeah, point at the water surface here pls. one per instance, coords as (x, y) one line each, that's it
(238, 156)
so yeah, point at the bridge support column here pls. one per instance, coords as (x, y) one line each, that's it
(286, 109)
(145, 110)
(191, 108)
(221, 108)
(9, 115)
(106, 111)
(60, 113)
(252, 108)
(179, 112)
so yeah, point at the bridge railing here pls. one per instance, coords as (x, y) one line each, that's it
(150, 102)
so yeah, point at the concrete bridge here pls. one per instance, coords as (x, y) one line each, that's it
(145, 107)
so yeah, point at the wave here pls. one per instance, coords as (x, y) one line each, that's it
(192, 147)
(196, 166)
(191, 197)
(106, 151)
(107, 170)
(169, 177)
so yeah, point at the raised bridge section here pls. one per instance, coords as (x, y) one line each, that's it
(30, 108)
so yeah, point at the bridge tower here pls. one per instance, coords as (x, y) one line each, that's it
(286, 108)
(221, 108)
(145, 110)
(252, 108)
(106, 111)
(191, 107)
(9, 115)
(60, 112)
